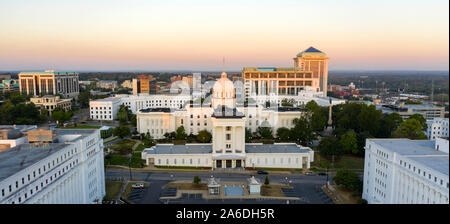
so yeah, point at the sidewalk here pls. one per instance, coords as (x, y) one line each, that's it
(154, 169)
(331, 192)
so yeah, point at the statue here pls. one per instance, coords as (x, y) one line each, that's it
(328, 131)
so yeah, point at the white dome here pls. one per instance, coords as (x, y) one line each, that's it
(223, 92)
(223, 88)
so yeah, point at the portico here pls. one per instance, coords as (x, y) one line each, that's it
(228, 161)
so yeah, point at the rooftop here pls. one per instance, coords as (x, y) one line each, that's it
(421, 151)
(22, 156)
(309, 51)
(207, 148)
(180, 149)
(226, 112)
(275, 148)
(150, 110)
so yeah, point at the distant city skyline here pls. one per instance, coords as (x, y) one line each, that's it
(138, 35)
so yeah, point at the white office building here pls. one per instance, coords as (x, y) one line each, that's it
(403, 171)
(69, 170)
(437, 127)
(104, 109)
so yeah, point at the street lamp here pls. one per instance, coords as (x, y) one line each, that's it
(129, 166)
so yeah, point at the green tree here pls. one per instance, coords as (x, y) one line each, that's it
(329, 147)
(369, 119)
(420, 119)
(204, 136)
(181, 133)
(133, 120)
(196, 180)
(248, 135)
(287, 103)
(283, 134)
(123, 115)
(265, 132)
(389, 124)
(349, 142)
(61, 116)
(122, 131)
(302, 131)
(83, 99)
(411, 129)
(348, 179)
(17, 98)
(361, 139)
(318, 115)
(266, 181)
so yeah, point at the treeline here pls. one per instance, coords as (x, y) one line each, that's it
(122, 76)
(352, 124)
(419, 82)
(355, 122)
(15, 110)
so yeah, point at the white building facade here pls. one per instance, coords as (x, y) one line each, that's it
(228, 149)
(104, 109)
(68, 172)
(437, 127)
(403, 171)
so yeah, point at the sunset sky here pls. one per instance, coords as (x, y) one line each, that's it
(195, 35)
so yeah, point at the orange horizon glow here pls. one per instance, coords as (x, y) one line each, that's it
(111, 35)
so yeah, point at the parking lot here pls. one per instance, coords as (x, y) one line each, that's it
(307, 188)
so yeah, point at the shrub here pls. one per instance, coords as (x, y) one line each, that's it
(266, 181)
(196, 180)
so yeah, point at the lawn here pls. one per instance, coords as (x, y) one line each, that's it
(273, 190)
(112, 189)
(84, 127)
(140, 148)
(188, 186)
(116, 159)
(183, 167)
(346, 161)
(123, 160)
(349, 196)
(276, 169)
(126, 143)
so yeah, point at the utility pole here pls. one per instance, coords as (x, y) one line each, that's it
(432, 90)
(129, 166)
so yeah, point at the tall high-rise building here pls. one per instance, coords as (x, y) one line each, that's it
(315, 61)
(49, 82)
(143, 84)
(310, 71)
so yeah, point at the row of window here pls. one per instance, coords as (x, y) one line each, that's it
(274, 160)
(29, 178)
(101, 117)
(422, 172)
(42, 185)
(183, 161)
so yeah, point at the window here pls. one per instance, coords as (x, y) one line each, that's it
(228, 137)
(228, 128)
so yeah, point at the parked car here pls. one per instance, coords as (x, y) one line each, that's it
(309, 173)
(262, 172)
(138, 185)
(322, 174)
